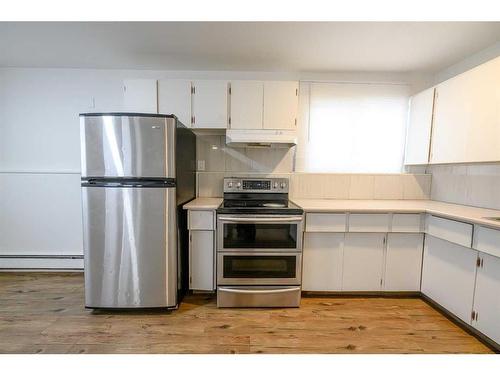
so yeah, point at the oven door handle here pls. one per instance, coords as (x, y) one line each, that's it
(259, 291)
(228, 219)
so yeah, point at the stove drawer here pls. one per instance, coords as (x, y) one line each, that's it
(262, 296)
(257, 268)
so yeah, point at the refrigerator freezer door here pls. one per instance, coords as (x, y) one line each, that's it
(130, 247)
(127, 146)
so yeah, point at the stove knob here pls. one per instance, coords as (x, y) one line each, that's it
(229, 184)
(282, 185)
(275, 185)
(238, 185)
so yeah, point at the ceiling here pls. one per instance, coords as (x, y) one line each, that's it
(245, 46)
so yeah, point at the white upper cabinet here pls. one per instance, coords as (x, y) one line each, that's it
(467, 117)
(247, 104)
(418, 134)
(174, 97)
(280, 104)
(140, 95)
(210, 104)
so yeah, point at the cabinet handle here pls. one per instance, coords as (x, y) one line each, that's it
(478, 262)
(482, 262)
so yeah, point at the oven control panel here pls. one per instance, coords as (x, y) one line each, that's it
(255, 185)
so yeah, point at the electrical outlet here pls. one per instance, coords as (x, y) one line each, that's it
(201, 165)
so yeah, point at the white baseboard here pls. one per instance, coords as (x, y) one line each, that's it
(38, 263)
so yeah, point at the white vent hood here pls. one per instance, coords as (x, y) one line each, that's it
(261, 138)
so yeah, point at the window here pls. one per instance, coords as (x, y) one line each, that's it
(355, 128)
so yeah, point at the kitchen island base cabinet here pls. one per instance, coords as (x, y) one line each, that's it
(403, 262)
(448, 276)
(487, 297)
(363, 261)
(201, 260)
(322, 262)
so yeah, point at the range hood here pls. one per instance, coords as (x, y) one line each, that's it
(261, 138)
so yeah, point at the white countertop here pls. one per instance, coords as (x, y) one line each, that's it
(203, 204)
(469, 214)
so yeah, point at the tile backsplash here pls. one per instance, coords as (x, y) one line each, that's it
(214, 156)
(215, 161)
(332, 186)
(470, 184)
(360, 186)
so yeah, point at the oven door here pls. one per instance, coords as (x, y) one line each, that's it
(257, 268)
(263, 233)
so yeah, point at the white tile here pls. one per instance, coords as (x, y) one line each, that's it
(416, 186)
(335, 186)
(388, 187)
(237, 160)
(210, 150)
(271, 160)
(210, 184)
(362, 186)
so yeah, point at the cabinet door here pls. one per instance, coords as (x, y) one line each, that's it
(487, 297)
(448, 275)
(280, 104)
(140, 95)
(210, 102)
(201, 260)
(174, 97)
(403, 261)
(418, 134)
(247, 104)
(363, 261)
(322, 262)
(467, 116)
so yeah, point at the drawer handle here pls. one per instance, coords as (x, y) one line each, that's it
(257, 291)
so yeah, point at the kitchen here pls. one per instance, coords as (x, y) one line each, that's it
(224, 205)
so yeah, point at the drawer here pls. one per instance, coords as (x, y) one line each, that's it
(369, 223)
(316, 222)
(487, 240)
(450, 230)
(201, 220)
(406, 223)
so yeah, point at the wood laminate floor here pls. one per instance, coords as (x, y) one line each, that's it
(44, 313)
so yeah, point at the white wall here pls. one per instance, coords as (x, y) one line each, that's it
(470, 184)
(468, 63)
(40, 211)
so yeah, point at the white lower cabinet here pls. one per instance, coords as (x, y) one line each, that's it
(322, 262)
(448, 275)
(403, 263)
(487, 297)
(363, 261)
(201, 260)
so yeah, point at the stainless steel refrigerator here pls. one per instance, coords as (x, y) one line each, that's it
(137, 171)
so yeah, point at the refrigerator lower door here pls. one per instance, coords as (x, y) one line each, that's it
(130, 247)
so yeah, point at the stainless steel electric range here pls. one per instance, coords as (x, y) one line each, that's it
(259, 245)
